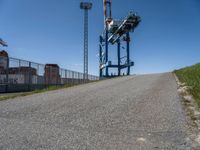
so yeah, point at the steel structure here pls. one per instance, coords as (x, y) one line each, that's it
(3, 43)
(116, 32)
(85, 6)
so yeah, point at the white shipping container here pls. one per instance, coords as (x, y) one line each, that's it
(17, 79)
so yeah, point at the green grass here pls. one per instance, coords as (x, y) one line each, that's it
(8, 97)
(191, 77)
(50, 88)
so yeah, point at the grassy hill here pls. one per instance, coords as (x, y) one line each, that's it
(191, 77)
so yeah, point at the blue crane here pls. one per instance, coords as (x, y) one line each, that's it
(116, 32)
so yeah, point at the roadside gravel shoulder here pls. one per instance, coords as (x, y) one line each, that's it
(191, 110)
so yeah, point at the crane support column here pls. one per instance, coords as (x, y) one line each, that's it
(100, 56)
(119, 56)
(128, 52)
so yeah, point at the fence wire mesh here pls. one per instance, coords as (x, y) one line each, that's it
(21, 75)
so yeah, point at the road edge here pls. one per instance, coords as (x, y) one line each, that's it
(191, 110)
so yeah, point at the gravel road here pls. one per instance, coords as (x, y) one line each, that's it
(136, 112)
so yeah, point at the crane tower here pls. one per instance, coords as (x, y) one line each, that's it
(116, 32)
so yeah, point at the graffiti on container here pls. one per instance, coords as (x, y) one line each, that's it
(12, 79)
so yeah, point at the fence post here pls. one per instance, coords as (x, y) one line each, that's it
(73, 77)
(38, 69)
(7, 73)
(79, 81)
(19, 65)
(30, 77)
(65, 80)
(60, 76)
(82, 75)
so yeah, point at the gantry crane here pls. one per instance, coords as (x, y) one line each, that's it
(116, 32)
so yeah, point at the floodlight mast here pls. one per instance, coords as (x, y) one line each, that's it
(85, 6)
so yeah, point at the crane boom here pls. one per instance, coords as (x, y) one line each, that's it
(3, 43)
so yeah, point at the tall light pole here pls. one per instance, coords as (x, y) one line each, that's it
(85, 6)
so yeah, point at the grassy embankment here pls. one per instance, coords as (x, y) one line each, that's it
(191, 77)
(50, 88)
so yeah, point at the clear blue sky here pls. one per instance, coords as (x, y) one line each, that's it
(51, 31)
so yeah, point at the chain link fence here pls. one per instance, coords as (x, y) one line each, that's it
(18, 75)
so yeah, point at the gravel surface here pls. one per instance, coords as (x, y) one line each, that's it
(136, 112)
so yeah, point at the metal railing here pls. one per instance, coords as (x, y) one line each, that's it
(18, 75)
